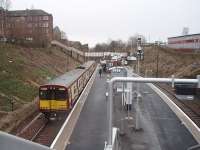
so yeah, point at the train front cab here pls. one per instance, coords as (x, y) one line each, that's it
(53, 100)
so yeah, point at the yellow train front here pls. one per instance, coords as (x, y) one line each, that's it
(60, 94)
(53, 100)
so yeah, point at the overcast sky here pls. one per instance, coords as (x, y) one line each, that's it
(92, 21)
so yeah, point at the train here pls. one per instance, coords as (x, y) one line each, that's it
(61, 94)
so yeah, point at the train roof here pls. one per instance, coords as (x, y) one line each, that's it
(69, 77)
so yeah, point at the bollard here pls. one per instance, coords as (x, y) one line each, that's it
(137, 120)
(121, 131)
(173, 81)
(198, 78)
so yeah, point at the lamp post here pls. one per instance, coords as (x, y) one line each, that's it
(12, 104)
(140, 56)
(157, 57)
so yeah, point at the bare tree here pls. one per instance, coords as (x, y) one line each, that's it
(32, 7)
(2, 3)
(132, 41)
(63, 35)
(5, 4)
(119, 45)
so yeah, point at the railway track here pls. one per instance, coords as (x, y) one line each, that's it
(190, 107)
(48, 133)
(42, 130)
(33, 127)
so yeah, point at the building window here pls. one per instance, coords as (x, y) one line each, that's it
(35, 18)
(29, 18)
(29, 25)
(9, 25)
(40, 25)
(45, 24)
(22, 19)
(45, 17)
(29, 38)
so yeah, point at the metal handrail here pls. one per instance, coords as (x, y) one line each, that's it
(139, 80)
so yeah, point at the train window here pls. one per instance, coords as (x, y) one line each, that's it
(60, 95)
(74, 90)
(45, 94)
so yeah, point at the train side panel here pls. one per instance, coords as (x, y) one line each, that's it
(74, 92)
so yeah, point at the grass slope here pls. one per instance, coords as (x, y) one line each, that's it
(22, 70)
(170, 62)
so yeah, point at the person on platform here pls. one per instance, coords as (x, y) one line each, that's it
(100, 72)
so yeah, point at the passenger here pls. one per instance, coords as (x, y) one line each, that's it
(100, 72)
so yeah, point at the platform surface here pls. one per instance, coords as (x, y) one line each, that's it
(161, 129)
(90, 130)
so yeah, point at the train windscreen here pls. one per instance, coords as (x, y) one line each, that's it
(53, 94)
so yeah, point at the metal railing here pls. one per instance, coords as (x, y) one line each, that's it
(138, 80)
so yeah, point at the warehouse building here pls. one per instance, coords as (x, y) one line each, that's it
(190, 42)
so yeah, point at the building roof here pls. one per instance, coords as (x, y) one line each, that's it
(56, 29)
(184, 36)
(30, 12)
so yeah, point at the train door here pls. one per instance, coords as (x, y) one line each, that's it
(70, 97)
(80, 84)
(74, 92)
(84, 78)
(61, 99)
(76, 89)
(52, 102)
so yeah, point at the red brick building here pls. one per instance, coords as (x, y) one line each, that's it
(2, 22)
(27, 26)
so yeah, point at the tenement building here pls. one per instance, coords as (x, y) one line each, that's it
(27, 26)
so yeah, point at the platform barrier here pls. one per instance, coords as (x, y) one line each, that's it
(11, 142)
